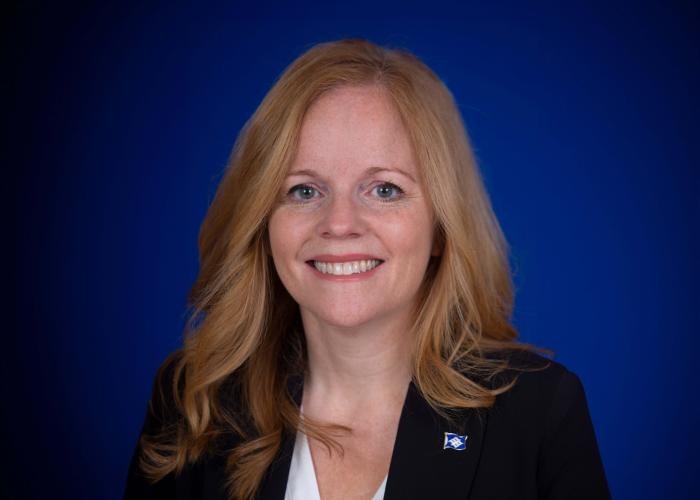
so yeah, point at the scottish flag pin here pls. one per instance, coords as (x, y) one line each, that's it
(454, 442)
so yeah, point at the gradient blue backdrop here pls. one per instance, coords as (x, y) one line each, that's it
(120, 120)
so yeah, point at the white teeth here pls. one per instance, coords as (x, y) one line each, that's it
(346, 268)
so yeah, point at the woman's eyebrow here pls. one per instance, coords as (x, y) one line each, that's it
(307, 171)
(375, 170)
(372, 170)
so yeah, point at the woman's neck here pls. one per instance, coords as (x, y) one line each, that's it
(351, 369)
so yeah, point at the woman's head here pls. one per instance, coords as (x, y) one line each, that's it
(472, 269)
(245, 329)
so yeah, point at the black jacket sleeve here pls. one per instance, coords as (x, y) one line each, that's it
(570, 466)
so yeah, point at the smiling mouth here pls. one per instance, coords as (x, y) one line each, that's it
(345, 268)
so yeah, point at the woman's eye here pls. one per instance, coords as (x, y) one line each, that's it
(388, 191)
(302, 192)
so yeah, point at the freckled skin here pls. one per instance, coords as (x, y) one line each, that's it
(348, 210)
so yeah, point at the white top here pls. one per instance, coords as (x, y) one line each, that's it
(301, 484)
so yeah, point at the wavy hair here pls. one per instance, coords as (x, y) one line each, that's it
(244, 338)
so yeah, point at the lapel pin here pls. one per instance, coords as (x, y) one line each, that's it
(454, 442)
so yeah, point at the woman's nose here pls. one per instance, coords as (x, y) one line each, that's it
(341, 218)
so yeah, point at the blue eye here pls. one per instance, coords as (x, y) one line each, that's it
(302, 192)
(388, 191)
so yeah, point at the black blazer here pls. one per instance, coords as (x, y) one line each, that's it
(536, 442)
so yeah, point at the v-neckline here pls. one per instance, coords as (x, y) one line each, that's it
(419, 464)
(303, 472)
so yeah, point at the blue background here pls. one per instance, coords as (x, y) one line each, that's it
(119, 124)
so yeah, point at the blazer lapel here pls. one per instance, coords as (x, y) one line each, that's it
(420, 466)
(274, 484)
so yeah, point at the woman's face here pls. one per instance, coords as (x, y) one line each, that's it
(351, 200)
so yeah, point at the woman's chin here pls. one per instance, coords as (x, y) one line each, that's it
(340, 317)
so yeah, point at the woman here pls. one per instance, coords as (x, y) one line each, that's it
(350, 332)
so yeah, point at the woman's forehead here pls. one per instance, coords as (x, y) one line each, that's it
(357, 126)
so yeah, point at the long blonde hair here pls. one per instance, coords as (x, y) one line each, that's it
(244, 338)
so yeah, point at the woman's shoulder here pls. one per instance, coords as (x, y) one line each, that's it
(166, 405)
(542, 386)
(518, 362)
(543, 420)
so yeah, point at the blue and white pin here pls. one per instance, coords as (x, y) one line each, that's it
(454, 442)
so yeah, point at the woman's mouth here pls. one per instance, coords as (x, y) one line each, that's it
(345, 268)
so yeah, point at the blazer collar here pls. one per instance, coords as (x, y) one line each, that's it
(420, 466)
